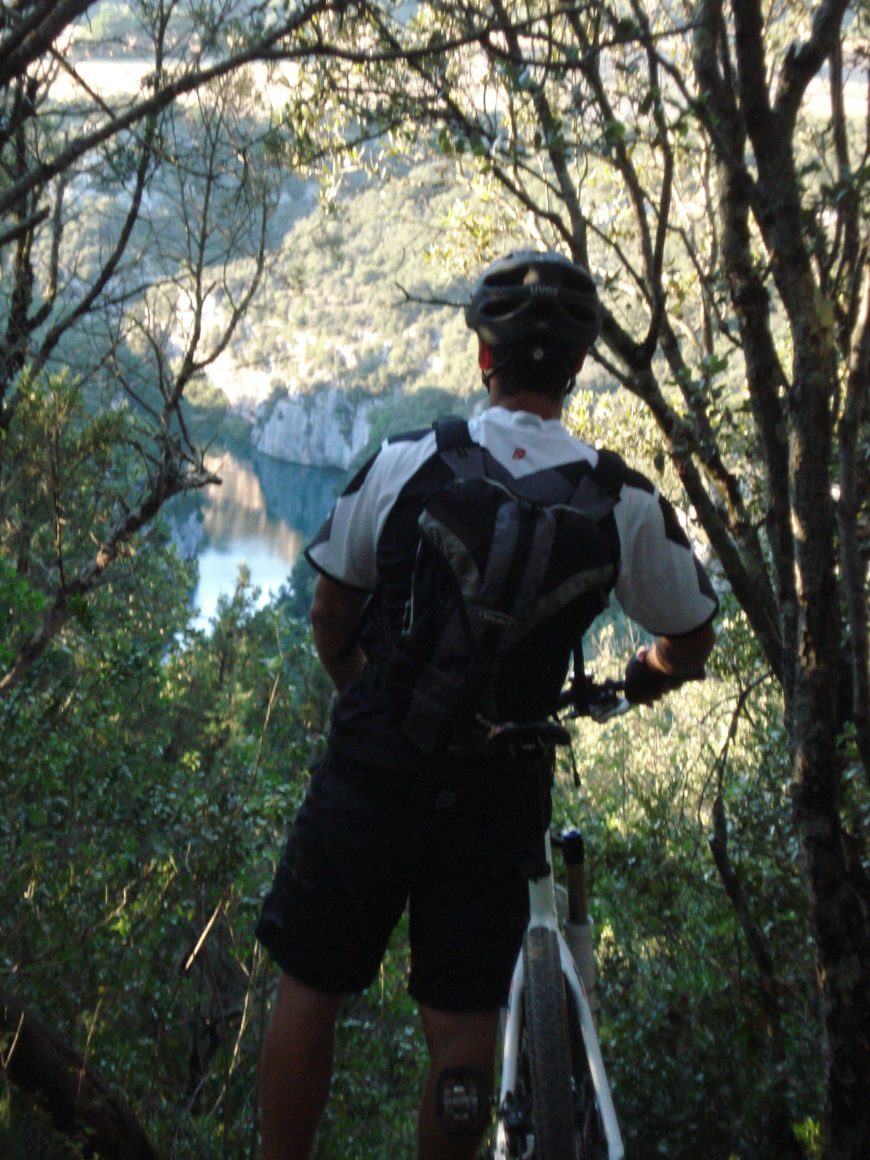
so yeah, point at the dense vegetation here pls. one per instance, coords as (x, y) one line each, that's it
(149, 772)
(155, 240)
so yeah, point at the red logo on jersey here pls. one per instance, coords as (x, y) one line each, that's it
(519, 453)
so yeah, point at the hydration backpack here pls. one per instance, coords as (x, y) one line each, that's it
(508, 576)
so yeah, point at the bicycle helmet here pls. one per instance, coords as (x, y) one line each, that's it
(530, 299)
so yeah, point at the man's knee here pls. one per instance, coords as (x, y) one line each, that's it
(463, 1101)
(296, 1002)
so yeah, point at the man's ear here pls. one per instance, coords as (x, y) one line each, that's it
(485, 357)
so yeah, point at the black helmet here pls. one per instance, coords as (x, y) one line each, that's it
(529, 296)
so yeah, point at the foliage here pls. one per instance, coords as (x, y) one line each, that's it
(686, 1016)
(159, 800)
(113, 28)
(21, 607)
(380, 1068)
(148, 773)
(133, 301)
(413, 413)
(347, 302)
(684, 153)
(687, 155)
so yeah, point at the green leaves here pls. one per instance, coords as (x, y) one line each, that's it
(676, 976)
(148, 775)
(20, 607)
(615, 132)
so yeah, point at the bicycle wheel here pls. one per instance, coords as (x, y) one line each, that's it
(564, 1114)
(549, 1048)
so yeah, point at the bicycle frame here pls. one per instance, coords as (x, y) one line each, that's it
(543, 913)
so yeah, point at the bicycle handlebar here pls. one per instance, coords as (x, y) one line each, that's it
(606, 699)
(599, 700)
(584, 697)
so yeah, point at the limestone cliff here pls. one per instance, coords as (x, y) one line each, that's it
(327, 428)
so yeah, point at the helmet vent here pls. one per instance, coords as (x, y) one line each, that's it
(540, 301)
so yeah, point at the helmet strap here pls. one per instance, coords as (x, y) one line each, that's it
(497, 365)
(488, 362)
(491, 364)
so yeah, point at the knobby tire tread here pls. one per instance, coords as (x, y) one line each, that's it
(548, 1048)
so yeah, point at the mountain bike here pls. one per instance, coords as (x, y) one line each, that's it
(554, 1099)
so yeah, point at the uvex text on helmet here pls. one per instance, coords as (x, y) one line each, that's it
(529, 297)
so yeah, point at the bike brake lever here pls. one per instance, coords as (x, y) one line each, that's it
(603, 711)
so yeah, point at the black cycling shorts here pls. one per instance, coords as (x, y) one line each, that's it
(366, 843)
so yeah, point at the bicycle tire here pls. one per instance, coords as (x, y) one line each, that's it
(548, 1045)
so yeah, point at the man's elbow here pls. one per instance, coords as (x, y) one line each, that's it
(335, 609)
(705, 640)
(686, 653)
(691, 651)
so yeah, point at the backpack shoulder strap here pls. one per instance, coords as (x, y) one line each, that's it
(452, 431)
(609, 472)
(458, 450)
(598, 492)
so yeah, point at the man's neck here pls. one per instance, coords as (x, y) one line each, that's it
(544, 406)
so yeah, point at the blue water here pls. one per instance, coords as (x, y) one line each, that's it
(263, 515)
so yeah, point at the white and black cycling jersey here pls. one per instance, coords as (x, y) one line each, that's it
(369, 539)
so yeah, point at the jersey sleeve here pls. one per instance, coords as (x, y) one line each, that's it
(345, 549)
(661, 584)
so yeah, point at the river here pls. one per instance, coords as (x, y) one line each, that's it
(263, 515)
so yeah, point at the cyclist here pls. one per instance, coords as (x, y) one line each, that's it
(384, 824)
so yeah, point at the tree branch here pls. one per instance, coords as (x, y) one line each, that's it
(78, 1101)
(169, 481)
(165, 95)
(848, 510)
(804, 61)
(27, 40)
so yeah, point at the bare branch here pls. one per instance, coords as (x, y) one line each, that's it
(167, 482)
(25, 41)
(803, 61)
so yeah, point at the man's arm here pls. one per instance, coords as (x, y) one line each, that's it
(335, 614)
(657, 670)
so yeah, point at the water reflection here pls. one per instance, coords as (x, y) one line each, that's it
(263, 514)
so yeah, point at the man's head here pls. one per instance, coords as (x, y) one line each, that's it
(536, 315)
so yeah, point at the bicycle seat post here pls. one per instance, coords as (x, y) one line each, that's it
(574, 851)
(578, 928)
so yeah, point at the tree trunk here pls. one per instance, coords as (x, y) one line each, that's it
(78, 1102)
(839, 895)
(839, 892)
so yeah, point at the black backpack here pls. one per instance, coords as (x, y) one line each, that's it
(508, 576)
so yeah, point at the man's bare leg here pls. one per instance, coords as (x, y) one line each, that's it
(462, 1041)
(296, 1068)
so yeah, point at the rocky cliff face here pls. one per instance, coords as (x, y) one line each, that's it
(325, 429)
